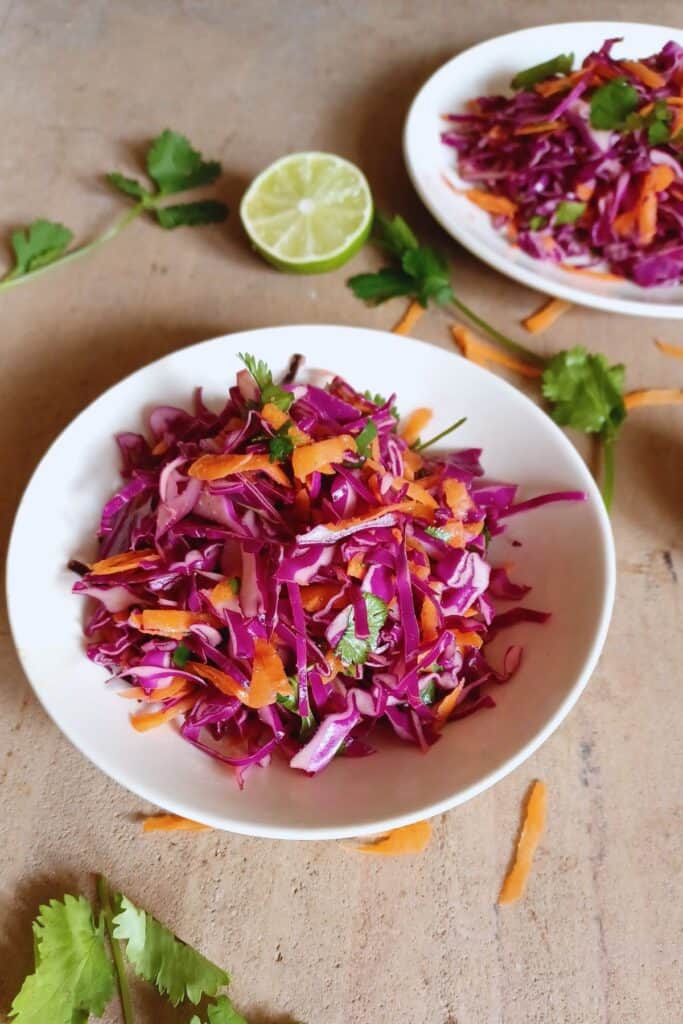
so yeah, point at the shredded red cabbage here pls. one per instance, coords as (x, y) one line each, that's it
(581, 195)
(358, 589)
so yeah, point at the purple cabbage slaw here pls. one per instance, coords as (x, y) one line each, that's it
(576, 165)
(355, 646)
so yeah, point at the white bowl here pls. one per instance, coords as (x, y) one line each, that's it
(567, 555)
(488, 68)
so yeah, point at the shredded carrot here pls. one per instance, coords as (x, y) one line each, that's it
(151, 719)
(268, 676)
(584, 190)
(317, 457)
(457, 497)
(677, 123)
(415, 424)
(173, 823)
(447, 705)
(647, 109)
(467, 638)
(537, 129)
(644, 74)
(429, 621)
(473, 529)
(653, 396)
(170, 622)
(491, 203)
(123, 562)
(481, 352)
(670, 350)
(597, 275)
(276, 418)
(315, 596)
(221, 680)
(222, 594)
(335, 665)
(532, 829)
(647, 218)
(416, 491)
(412, 462)
(400, 841)
(413, 508)
(160, 447)
(554, 85)
(356, 566)
(409, 318)
(546, 316)
(175, 689)
(216, 467)
(302, 504)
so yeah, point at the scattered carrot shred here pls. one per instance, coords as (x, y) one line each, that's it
(670, 350)
(499, 205)
(317, 457)
(169, 622)
(221, 680)
(152, 719)
(123, 562)
(222, 594)
(268, 676)
(481, 352)
(457, 497)
(564, 84)
(276, 418)
(409, 318)
(414, 508)
(172, 823)
(447, 705)
(532, 829)
(584, 190)
(356, 566)
(216, 467)
(644, 74)
(546, 316)
(400, 841)
(537, 129)
(653, 396)
(467, 639)
(177, 688)
(315, 596)
(415, 424)
(429, 621)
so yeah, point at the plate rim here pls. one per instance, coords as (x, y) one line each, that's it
(225, 823)
(523, 275)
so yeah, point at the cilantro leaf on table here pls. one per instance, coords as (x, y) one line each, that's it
(365, 439)
(206, 211)
(73, 975)
(352, 649)
(585, 391)
(430, 271)
(568, 212)
(36, 246)
(387, 283)
(156, 955)
(221, 1012)
(129, 186)
(394, 235)
(527, 79)
(176, 167)
(611, 105)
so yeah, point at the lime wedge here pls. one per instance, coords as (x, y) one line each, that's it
(308, 212)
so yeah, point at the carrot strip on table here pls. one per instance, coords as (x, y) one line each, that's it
(668, 349)
(415, 424)
(173, 823)
(653, 396)
(400, 841)
(481, 352)
(546, 316)
(152, 719)
(412, 314)
(532, 829)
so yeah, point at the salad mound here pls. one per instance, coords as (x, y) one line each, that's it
(583, 167)
(296, 571)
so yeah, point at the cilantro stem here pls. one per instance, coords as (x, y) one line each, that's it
(104, 894)
(502, 339)
(444, 433)
(10, 281)
(607, 472)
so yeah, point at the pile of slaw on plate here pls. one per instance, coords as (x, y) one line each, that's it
(295, 572)
(583, 167)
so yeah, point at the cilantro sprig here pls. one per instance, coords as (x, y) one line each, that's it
(74, 975)
(560, 65)
(263, 378)
(421, 273)
(172, 165)
(354, 650)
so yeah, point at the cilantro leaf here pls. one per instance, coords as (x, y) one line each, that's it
(263, 376)
(394, 235)
(657, 132)
(280, 445)
(73, 975)
(537, 222)
(429, 270)
(351, 649)
(235, 584)
(40, 243)
(381, 400)
(438, 532)
(276, 395)
(156, 955)
(387, 283)
(365, 438)
(568, 212)
(221, 1012)
(428, 693)
(611, 105)
(586, 393)
(175, 166)
(206, 211)
(129, 186)
(560, 65)
(181, 655)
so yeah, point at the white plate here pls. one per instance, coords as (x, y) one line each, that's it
(488, 68)
(567, 555)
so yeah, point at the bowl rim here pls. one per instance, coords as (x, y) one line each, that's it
(526, 275)
(139, 787)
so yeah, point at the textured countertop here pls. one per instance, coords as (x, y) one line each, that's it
(311, 931)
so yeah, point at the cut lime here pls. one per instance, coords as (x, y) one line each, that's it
(308, 212)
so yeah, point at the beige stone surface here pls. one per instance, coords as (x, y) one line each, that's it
(312, 931)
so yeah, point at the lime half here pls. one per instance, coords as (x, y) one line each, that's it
(308, 212)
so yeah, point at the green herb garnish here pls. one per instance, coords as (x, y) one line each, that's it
(365, 439)
(560, 65)
(381, 400)
(568, 212)
(420, 447)
(438, 532)
(537, 222)
(181, 655)
(352, 649)
(612, 104)
(270, 392)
